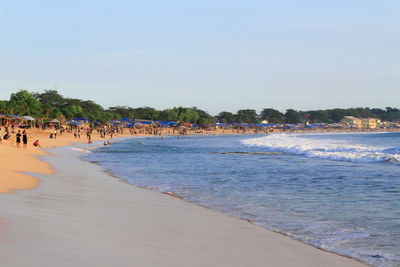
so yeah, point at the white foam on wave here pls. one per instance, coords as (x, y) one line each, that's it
(78, 149)
(316, 147)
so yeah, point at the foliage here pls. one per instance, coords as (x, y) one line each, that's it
(51, 98)
(292, 116)
(272, 115)
(225, 117)
(247, 116)
(335, 115)
(3, 106)
(24, 103)
(50, 104)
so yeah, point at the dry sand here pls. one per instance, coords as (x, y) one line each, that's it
(15, 160)
(81, 216)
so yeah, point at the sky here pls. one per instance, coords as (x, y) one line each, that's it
(216, 55)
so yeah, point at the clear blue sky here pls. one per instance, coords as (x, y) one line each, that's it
(216, 55)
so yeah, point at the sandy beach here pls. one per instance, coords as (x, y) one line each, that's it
(78, 215)
(15, 160)
(199, 133)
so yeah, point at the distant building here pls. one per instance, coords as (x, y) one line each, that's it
(352, 121)
(369, 123)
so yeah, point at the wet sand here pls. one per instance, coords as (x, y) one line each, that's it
(81, 216)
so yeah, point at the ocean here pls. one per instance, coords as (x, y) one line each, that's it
(339, 192)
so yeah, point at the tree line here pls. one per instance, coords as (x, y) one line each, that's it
(50, 104)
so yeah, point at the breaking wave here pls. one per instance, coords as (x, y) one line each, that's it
(317, 147)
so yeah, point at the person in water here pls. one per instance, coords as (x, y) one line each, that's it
(107, 142)
(18, 138)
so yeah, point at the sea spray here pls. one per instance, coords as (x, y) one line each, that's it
(333, 149)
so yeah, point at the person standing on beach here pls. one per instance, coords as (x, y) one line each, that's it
(24, 138)
(18, 138)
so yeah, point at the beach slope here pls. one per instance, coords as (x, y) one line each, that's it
(80, 216)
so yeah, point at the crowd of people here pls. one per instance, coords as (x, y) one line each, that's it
(16, 134)
(20, 137)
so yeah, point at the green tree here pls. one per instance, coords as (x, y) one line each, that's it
(292, 116)
(203, 117)
(186, 114)
(226, 117)
(51, 97)
(146, 113)
(24, 103)
(392, 114)
(318, 116)
(247, 116)
(119, 112)
(3, 106)
(272, 115)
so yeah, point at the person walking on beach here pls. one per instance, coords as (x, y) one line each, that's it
(18, 138)
(25, 138)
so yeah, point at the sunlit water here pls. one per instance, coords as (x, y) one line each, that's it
(340, 192)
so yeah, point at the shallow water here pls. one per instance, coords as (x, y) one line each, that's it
(340, 192)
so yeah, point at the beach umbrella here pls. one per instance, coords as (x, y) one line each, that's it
(16, 117)
(28, 118)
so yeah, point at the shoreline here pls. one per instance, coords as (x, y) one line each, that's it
(252, 222)
(173, 195)
(281, 241)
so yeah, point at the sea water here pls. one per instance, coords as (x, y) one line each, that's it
(339, 192)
